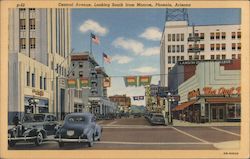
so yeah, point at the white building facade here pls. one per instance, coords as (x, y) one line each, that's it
(39, 45)
(215, 42)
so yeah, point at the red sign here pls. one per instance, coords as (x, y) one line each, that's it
(221, 91)
(194, 93)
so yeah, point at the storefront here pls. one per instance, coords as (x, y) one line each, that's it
(36, 105)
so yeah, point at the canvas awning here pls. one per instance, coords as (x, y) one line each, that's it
(183, 105)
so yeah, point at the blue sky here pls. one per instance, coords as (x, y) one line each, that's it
(132, 38)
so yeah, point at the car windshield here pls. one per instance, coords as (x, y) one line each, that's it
(34, 118)
(158, 117)
(76, 119)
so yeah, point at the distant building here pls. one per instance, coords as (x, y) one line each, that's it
(39, 45)
(123, 101)
(213, 42)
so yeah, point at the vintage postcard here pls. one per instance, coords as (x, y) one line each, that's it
(124, 79)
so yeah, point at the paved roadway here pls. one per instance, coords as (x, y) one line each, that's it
(138, 134)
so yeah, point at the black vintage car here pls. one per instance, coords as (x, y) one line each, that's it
(32, 128)
(79, 127)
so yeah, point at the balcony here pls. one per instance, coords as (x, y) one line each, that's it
(194, 39)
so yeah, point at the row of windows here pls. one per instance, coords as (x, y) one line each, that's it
(222, 35)
(201, 47)
(175, 48)
(32, 43)
(43, 81)
(174, 59)
(59, 69)
(32, 24)
(176, 37)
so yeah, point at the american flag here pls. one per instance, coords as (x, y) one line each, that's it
(106, 58)
(95, 39)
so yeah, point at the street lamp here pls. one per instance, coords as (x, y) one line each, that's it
(33, 101)
(170, 100)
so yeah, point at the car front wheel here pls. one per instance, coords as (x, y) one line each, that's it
(39, 139)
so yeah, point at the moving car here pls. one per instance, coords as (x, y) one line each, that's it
(157, 119)
(32, 128)
(79, 127)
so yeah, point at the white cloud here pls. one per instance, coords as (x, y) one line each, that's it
(135, 46)
(151, 33)
(151, 51)
(122, 59)
(129, 44)
(93, 26)
(145, 69)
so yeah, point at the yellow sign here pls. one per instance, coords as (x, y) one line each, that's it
(38, 92)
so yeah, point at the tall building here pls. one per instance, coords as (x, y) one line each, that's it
(39, 48)
(181, 41)
(90, 77)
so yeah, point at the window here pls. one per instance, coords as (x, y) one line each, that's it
(73, 64)
(169, 48)
(177, 37)
(202, 36)
(202, 57)
(22, 43)
(217, 57)
(217, 35)
(212, 57)
(233, 35)
(22, 24)
(223, 57)
(32, 9)
(33, 80)
(28, 78)
(217, 46)
(169, 37)
(223, 46)
(239, 56)
(80, 64)
(223, 35)
(211, 36)
(238, 35)
(202, 47)
(45, 83)
(32, 43)
(182, 37)
(178, 48)
(178, 58)
(41, 82)
(22, 9)
(233, 56)
(239, 46)
(32, 24)
(80, 73)
(212, 47)
(169, 59)
(173, 48)
(173, 37)
(182, 57)
(190, 57)
(173, 59)
(233, 46)
(196, 34)
(182, 48)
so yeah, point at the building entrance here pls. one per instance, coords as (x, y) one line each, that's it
(217, 113)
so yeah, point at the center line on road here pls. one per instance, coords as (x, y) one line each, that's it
(229, 132)
(153, 143)
(183, 132)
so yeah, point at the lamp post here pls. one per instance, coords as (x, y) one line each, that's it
(33, 101)
(170, 100)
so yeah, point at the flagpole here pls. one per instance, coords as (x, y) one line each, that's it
(102, 61)
(90, 43)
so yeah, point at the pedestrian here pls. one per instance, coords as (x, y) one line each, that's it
(15, 120)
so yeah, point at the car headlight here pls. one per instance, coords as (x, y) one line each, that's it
(70, 132)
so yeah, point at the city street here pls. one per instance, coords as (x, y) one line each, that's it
(138, 134)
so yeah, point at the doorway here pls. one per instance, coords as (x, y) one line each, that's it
(217, 113)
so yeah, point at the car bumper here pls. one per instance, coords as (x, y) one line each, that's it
(158, 123)
(21, 138)
(71, 140)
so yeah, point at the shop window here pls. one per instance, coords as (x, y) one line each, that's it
(32, 24)
(169, 37)
(22, 24)
(173, 37)
(212, 36)
(202, 47)
(173, 59)
(238, 35)
(22, 43)
(233, 35)
(217, 47)
(233, 111)
(177, 48)
(169, 59)
(32, 43)
(182, 48)
(223, 35)
(212, 57)
(233, 56)
(173, 48)
(33, 80)
(212, 47)
(182, 37)
(218, 35)
(169, 48)
(223, 57)
(233, 46)
(217, 57)
(202, 36)
(239, 46)
(28, 78)
(177, 37)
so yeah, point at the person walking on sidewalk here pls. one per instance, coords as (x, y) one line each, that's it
(15, 120)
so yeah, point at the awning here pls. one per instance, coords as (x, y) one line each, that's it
(183, 105)
(223, 100)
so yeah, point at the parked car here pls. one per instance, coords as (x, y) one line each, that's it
(79, 127)
(32, 128)
(157, 119)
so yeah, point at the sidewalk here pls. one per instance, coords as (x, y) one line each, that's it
(186, 123)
